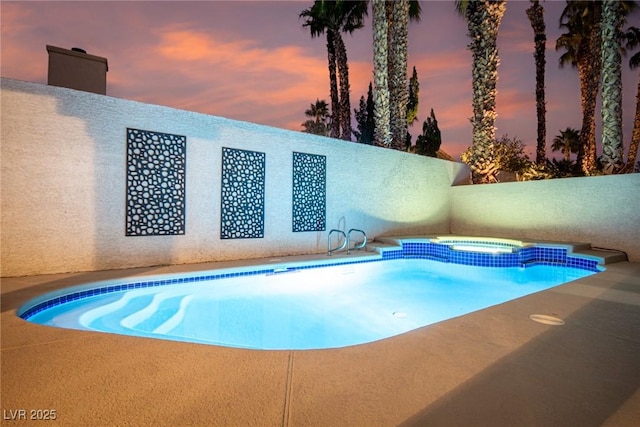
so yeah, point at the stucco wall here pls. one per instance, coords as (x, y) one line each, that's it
(601, 210)
(64, 185)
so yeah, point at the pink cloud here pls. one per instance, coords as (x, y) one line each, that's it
(237, 78)
(512, 103)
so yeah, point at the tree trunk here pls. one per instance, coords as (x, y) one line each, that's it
(483, 20)
(536, 16)
(343, 76)
(333, 84)
(612, 148)
(393, 105)
(589, 72)
(593, 71)
(380, 70)
(398, 74)
(635, 137)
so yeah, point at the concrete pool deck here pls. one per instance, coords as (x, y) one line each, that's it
(494, 367)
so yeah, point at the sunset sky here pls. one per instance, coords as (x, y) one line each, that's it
(253, 61)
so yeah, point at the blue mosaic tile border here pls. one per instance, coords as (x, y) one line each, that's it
(393, 254)
(534, 255)
(129, 286)
(523, 258)
(88, 293)
(584, 264)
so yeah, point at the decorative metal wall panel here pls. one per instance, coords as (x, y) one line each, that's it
(309, 192)
(242, 194)
(156, 166)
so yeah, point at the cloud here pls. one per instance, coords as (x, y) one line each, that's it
(192, 48)
(442, 63)
(18, 62)
(213, 74)
(14, 18)
(514, 102)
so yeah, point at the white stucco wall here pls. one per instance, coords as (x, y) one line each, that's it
(63, 185)
(601, 210)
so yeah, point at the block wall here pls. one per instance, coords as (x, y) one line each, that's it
(91, 182)
(601, 210)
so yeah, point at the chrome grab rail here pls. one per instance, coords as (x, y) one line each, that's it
(345, 241)
(359, 245)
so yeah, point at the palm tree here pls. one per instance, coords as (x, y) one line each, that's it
(380, 73)
(582, 47)
(632, 37)
(316, 23)
(536, 15)
(336, 17)
(483, 20)
(319, 111)
(319, 118)
(567, 141)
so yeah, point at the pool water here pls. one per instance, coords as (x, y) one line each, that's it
(316, 308)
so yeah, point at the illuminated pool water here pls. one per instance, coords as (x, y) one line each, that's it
(326, 307)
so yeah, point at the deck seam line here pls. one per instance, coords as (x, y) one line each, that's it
(288, 391)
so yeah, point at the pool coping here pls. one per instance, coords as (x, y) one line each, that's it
(492, 367)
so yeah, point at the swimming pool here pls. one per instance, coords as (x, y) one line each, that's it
(311, 307)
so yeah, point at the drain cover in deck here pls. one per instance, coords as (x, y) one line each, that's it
(547, 320)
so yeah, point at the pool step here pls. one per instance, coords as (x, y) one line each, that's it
(176, 319)
(108, 317)
(162, 307)
(603, 257)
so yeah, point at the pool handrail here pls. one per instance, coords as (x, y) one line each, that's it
(345, 241)
(358, 245)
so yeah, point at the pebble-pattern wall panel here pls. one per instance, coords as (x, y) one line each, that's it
(156, 164)
(309, 192)
(242, 194)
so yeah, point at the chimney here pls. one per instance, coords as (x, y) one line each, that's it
(76, 69)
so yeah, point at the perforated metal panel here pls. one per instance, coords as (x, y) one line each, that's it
(242, 194)
(156, 168)
(309, 192)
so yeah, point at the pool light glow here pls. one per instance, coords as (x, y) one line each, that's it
(484, 249)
